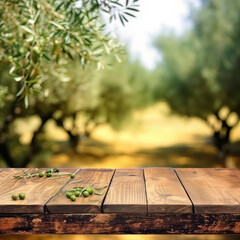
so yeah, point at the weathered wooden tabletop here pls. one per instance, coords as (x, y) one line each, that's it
(149, 200)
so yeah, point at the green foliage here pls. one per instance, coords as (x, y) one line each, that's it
(96, 97)
(217, 27)
(38, 36)
(200, 70)
(182, 85)
(46, 48)
(3, 95)
(122, 89)
(77, 101)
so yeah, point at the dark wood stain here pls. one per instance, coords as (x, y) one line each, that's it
(120, 224)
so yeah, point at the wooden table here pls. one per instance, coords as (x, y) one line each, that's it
(137, 201)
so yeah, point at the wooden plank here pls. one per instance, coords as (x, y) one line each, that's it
(165, 193)
(37, 190)
(127, 192)
(232, 181)
(211, 190)
(92, 204)
(120, 224)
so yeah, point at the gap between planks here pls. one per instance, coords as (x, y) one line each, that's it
(212, 190)
(127, 192)
(93, 204)
(40, 190)
(193, 210)
(165, 193)
(156, 190)
(107, 190)
(45, 205)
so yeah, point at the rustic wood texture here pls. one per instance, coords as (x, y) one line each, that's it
(212, 190)
(165, 193)
(120, 224)
(91, 204)
(215, 194)
(127, 193)
(38, 190)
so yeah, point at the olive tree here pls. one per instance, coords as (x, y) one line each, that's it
(199, 74)
(78, 102)
(38, 41)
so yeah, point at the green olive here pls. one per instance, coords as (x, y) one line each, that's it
(49, 175)
(85, 193)
(55, 170)
(49, 170)
(68, 194)
(21, 196)
(15, 196)
(72, 175)
(90, 190)
(73, 197)
(36, 50)
(77, 193)
(78, 189)
(41, 174)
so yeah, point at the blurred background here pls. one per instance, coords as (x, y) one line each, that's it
(171, 98)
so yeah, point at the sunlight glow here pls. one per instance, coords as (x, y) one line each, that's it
(155, 16)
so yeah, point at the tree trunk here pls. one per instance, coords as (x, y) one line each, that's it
(4, 152)
(35, 148)
(221, 137)
(73, 138)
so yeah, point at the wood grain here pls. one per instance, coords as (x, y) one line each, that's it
(212, 190)
(91, 204)
(120, 224)
(165, 193)
(127, 192)
(37, 190)
(232, 182)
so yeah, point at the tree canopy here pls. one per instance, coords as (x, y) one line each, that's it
(37, 37)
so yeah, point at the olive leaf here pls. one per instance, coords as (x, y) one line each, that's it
(43, 32)
(97, 193)
(100, 188)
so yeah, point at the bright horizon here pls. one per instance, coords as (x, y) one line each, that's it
(155, 16)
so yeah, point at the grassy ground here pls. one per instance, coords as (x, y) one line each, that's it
(153, 138)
